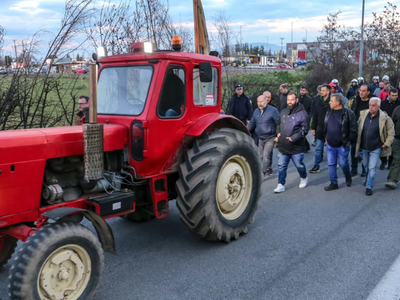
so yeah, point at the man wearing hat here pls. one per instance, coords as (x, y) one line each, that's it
(240, 105)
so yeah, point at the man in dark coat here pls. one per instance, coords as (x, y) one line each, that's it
(284, 90)
(317, 125)
(360, 103)
(240, 106)
(388, 106)
(265, 123)
(353, 89)
(291, 141)
(306, 101)
(340, 131)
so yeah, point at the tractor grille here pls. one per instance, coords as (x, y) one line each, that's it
(93, 151)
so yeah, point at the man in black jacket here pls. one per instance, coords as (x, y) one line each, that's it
(360, 103)
(265, 122)
(340, 131)
(240, 106)
(394, 174)
(291, 144)
(306, 101)
(388, 106)
(284, 90)
(353, 89)
(317, 125)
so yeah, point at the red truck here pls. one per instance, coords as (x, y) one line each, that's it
(154, 134)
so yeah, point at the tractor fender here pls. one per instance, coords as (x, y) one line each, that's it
(209, 122)
(104, 232)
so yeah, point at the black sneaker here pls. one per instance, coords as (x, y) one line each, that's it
(368, 192)
(363, 174)
(314, 170)
(382, 167)
(353, 173)
(331, 187)
(349, 180)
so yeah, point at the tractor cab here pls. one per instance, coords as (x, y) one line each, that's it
(158, 95)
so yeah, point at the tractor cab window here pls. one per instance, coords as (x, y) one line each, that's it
(123, 90)
(205, 93)
(172, 102)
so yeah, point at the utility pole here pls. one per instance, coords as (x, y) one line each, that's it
(361, 42)
(266, 48)
(15, 49)
(281, 56)
(291, 52)
(241, 45)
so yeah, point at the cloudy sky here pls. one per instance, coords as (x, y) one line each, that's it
(261, 20)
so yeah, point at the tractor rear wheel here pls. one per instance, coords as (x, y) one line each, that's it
(220, 185)
(7, 248)
(60, 261)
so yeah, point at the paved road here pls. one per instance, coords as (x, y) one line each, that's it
(304, 244)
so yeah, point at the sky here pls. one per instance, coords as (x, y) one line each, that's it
(260, 21)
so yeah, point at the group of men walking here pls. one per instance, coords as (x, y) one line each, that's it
(364, 126)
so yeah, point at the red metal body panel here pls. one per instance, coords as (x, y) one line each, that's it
(23, 155)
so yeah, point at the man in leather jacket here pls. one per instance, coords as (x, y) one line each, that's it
(340, 127)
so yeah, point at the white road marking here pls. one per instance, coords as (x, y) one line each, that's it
(388, 287)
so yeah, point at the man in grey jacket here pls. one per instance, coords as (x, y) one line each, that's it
(265, 122)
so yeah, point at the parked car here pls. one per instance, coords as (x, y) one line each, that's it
(283, 66)
(82, 70)
(3, 72)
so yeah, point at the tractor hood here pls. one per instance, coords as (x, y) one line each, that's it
(46, 143)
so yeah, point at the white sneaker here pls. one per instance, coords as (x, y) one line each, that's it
(303, 182)
(280, 188)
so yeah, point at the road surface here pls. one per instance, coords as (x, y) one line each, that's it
(304, 244)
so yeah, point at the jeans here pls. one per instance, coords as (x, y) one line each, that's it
(319, 152)
(335, 154)
(283, 162)
(394, 174)
(370, 159)
(265, 149)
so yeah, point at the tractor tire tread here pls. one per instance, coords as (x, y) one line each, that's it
(30, 256)
(197, 178)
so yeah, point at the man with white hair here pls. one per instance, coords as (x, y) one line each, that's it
(375, 138)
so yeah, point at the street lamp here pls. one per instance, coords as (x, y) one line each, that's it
(306, 33)
(361, 42)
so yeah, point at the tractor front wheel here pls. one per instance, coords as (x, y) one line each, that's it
(60, 261)
(220, 185)
(7, 248)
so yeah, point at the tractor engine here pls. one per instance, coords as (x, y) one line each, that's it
(64, 178)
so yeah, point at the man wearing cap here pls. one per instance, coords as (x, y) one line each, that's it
(240, 106)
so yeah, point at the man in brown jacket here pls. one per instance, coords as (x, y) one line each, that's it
(375, 138)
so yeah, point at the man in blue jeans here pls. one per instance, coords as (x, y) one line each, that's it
(291, 141)
(375, 137)
(340, 131)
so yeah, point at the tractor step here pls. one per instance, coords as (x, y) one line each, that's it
(113, 204)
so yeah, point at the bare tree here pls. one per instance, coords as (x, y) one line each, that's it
(33, 101)
(117, 26)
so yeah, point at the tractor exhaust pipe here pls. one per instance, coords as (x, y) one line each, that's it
(93, 134)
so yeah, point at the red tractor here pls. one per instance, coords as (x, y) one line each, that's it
(157, 135)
